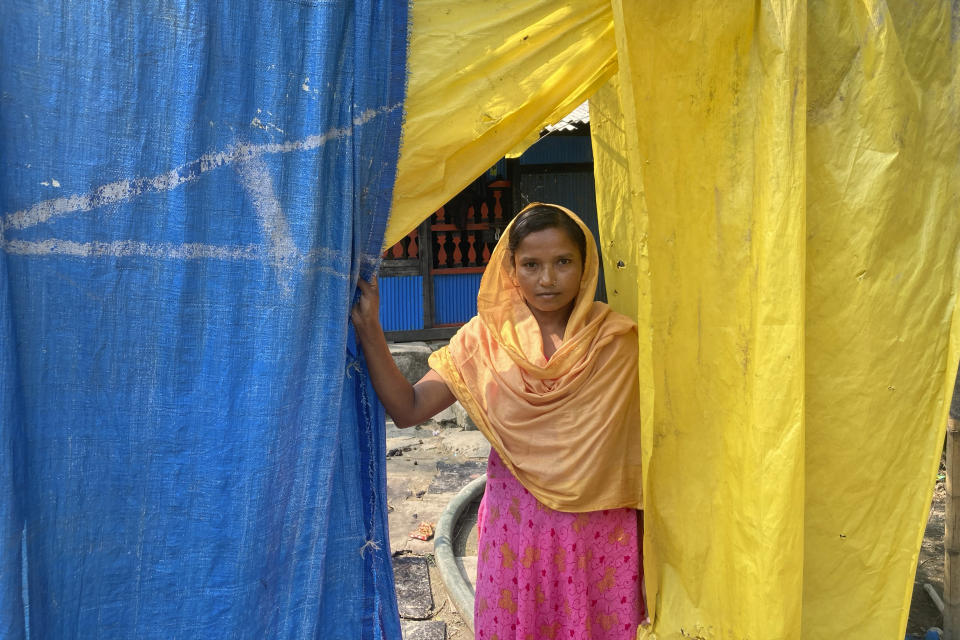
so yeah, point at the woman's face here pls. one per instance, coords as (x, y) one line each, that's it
(548, 267)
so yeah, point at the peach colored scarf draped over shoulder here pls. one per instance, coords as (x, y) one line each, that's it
(568, 428)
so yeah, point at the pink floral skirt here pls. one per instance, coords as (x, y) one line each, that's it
(545, 574)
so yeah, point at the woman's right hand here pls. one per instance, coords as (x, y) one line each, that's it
(366, 313)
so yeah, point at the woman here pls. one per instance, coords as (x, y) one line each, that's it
(550, 378)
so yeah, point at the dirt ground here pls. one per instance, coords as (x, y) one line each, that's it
(923, 613)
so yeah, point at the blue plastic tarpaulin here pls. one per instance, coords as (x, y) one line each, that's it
(188, 192)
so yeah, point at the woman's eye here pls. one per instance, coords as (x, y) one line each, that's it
(530, 265)
(564, 260)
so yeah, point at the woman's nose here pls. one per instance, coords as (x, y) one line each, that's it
(547, 276)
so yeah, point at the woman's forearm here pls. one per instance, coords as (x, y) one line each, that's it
(394, 390)
(408, 404)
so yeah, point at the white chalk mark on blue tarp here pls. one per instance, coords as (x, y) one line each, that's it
(125, 248)
(328, 261)
(258, 184)
(126, 190)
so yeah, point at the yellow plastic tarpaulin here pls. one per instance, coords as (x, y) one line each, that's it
(883, 235)
(713, 99)
(781, 183)
(485, 76)
(781, 180)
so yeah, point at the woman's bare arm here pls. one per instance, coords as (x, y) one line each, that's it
(407, 404)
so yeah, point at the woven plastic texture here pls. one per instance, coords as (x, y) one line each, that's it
(188, 192)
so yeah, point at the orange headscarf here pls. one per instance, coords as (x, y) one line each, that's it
(568, 428)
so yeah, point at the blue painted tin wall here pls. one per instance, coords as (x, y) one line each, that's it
(455, 297)
(401, 303)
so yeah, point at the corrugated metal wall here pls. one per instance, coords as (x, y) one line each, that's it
(455, 297)
(559, 149)
(401, 303)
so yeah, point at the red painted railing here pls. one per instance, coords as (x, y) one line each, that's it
(460, 244)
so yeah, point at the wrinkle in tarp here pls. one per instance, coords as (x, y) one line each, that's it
(189, 446)
(777, 188)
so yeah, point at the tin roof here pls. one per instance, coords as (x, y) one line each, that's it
(573, 121)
